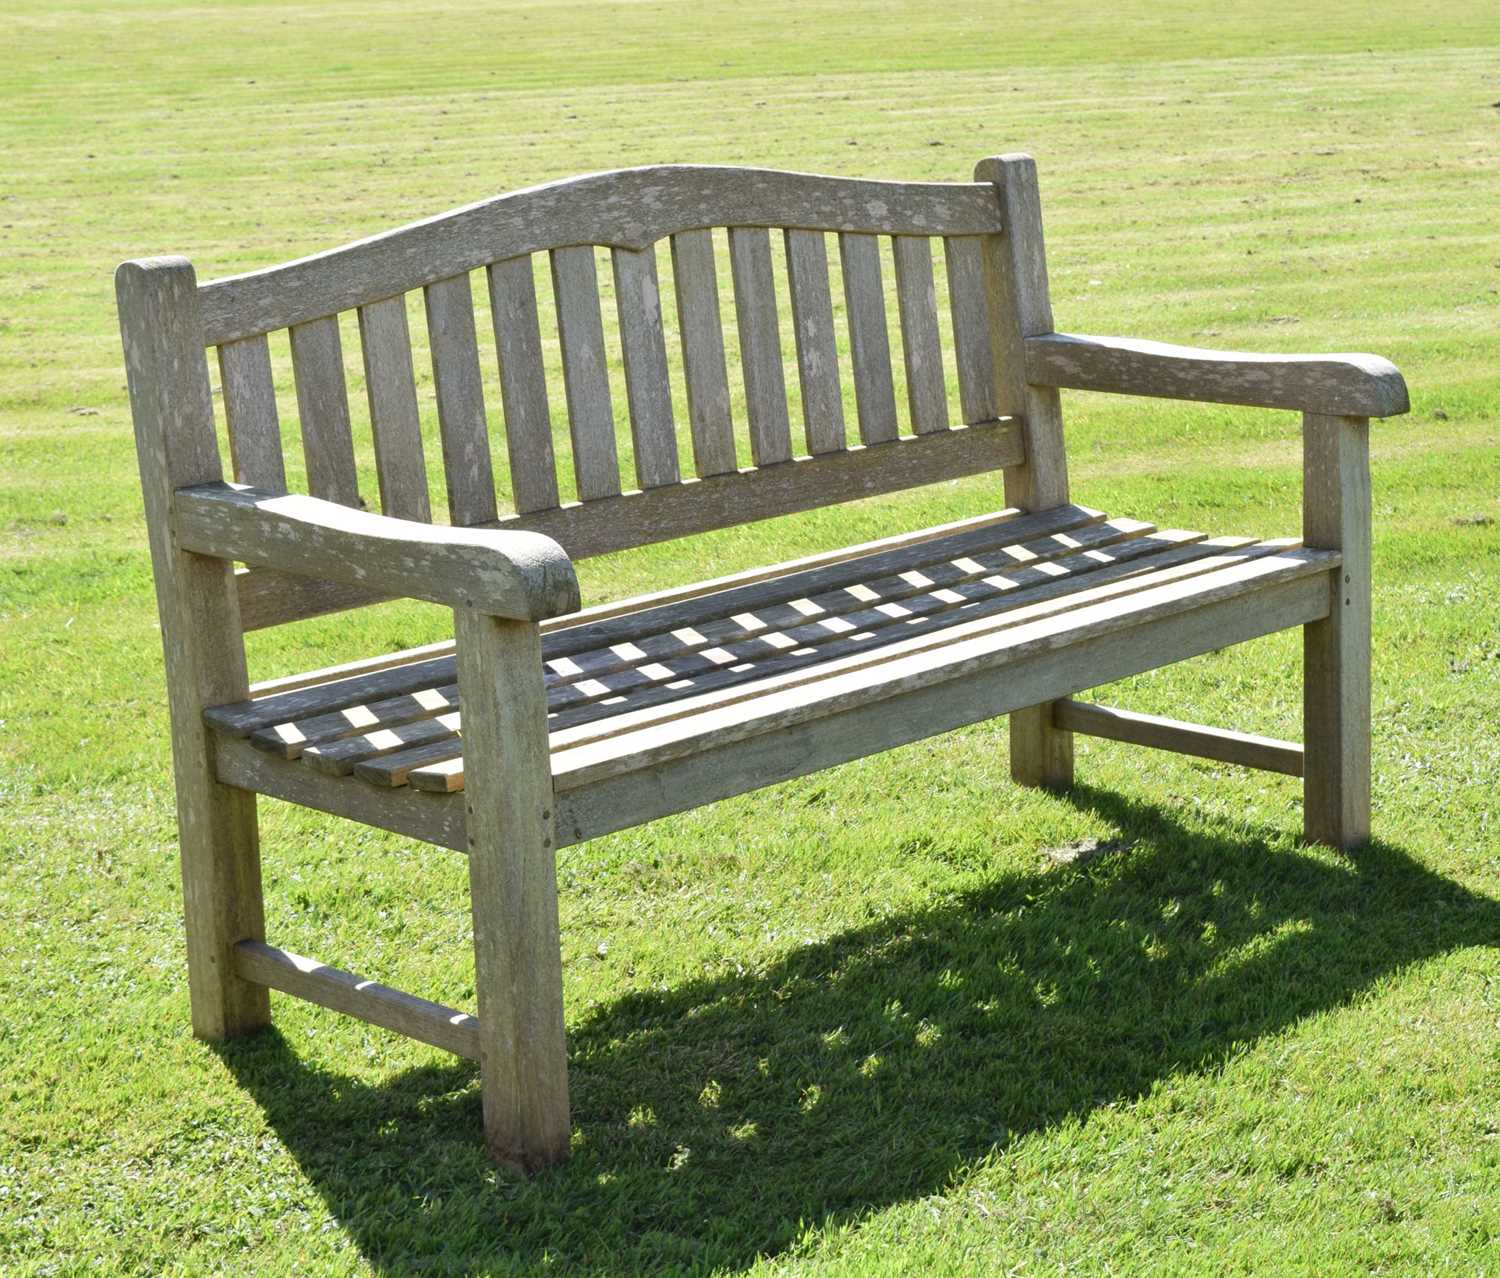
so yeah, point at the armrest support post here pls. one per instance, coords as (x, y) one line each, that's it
(1336, 650)
(509, 814)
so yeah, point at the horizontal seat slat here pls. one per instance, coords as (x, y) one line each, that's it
(382, 699)
(720, 764)
(1186, 554)
(720, 651)
(240, 718)
(1057, 618)
(950, 660)
(633, 691)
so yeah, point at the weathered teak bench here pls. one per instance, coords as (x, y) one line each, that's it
(575, 723)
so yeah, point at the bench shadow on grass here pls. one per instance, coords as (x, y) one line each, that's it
(866, 1070)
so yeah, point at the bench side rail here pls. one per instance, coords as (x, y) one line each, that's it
(883, 314)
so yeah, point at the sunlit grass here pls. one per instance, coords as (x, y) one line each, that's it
(856, 1024)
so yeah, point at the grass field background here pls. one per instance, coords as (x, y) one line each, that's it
(856, 1024)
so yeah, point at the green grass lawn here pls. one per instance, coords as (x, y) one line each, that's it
(855, 1024)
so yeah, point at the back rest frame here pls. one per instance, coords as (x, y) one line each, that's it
(991, 233)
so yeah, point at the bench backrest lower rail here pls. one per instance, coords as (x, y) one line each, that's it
(753, 269)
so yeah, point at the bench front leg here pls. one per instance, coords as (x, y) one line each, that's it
(513, 884)
(1336, 650)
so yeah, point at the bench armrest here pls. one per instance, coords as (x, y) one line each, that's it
(1336, 385)
(518, 575)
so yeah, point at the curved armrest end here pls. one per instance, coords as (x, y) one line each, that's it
(1337, 385)
(520, 575)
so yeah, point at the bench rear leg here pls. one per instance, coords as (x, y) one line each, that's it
(202, 642)
(1336, 650)
(1020, 306)
(513, 885)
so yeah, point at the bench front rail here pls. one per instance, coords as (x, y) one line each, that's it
(543, 724)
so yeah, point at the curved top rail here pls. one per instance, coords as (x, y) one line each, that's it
(624, 208)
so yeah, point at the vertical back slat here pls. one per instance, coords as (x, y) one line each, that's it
(869, 342)
(523, 385)
(817, 356)
(698, 320)
(591, 420)
(638, 302)
(460, 400)
(922, 347)
(250, 409)
(971, 327)
(760, 344)
(391, 388)
(323, 409)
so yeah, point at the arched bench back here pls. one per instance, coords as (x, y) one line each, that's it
(721, 431)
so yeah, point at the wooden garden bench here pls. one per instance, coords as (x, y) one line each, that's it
(547, 725)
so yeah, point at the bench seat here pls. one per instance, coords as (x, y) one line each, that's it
(680, 688)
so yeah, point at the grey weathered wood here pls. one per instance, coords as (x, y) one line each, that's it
(817, 356)
(813, 615)
(511, 573)
(1241, 748)
(380, 661)
(271, 598)
(728, 760)
(643, 344)
(883, 674)
(634, 519)
(921, 346)
(968, 303)
(323, 411)
(820, 576)
(467, 466)
(645, 721)
(695, 282)
(1015, 270)
(638, 519)
(760, 345)
(377, 1004)
(250, 410)
(513, 886)
(591, 419)
(869, 338)
(414, 814)
(523, 385)
(1336, 650)
(1141, 567)
(1352, 385)
(390, 386)
(628, 208)
(619, 607)
(204, 654)
(1020, 541)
